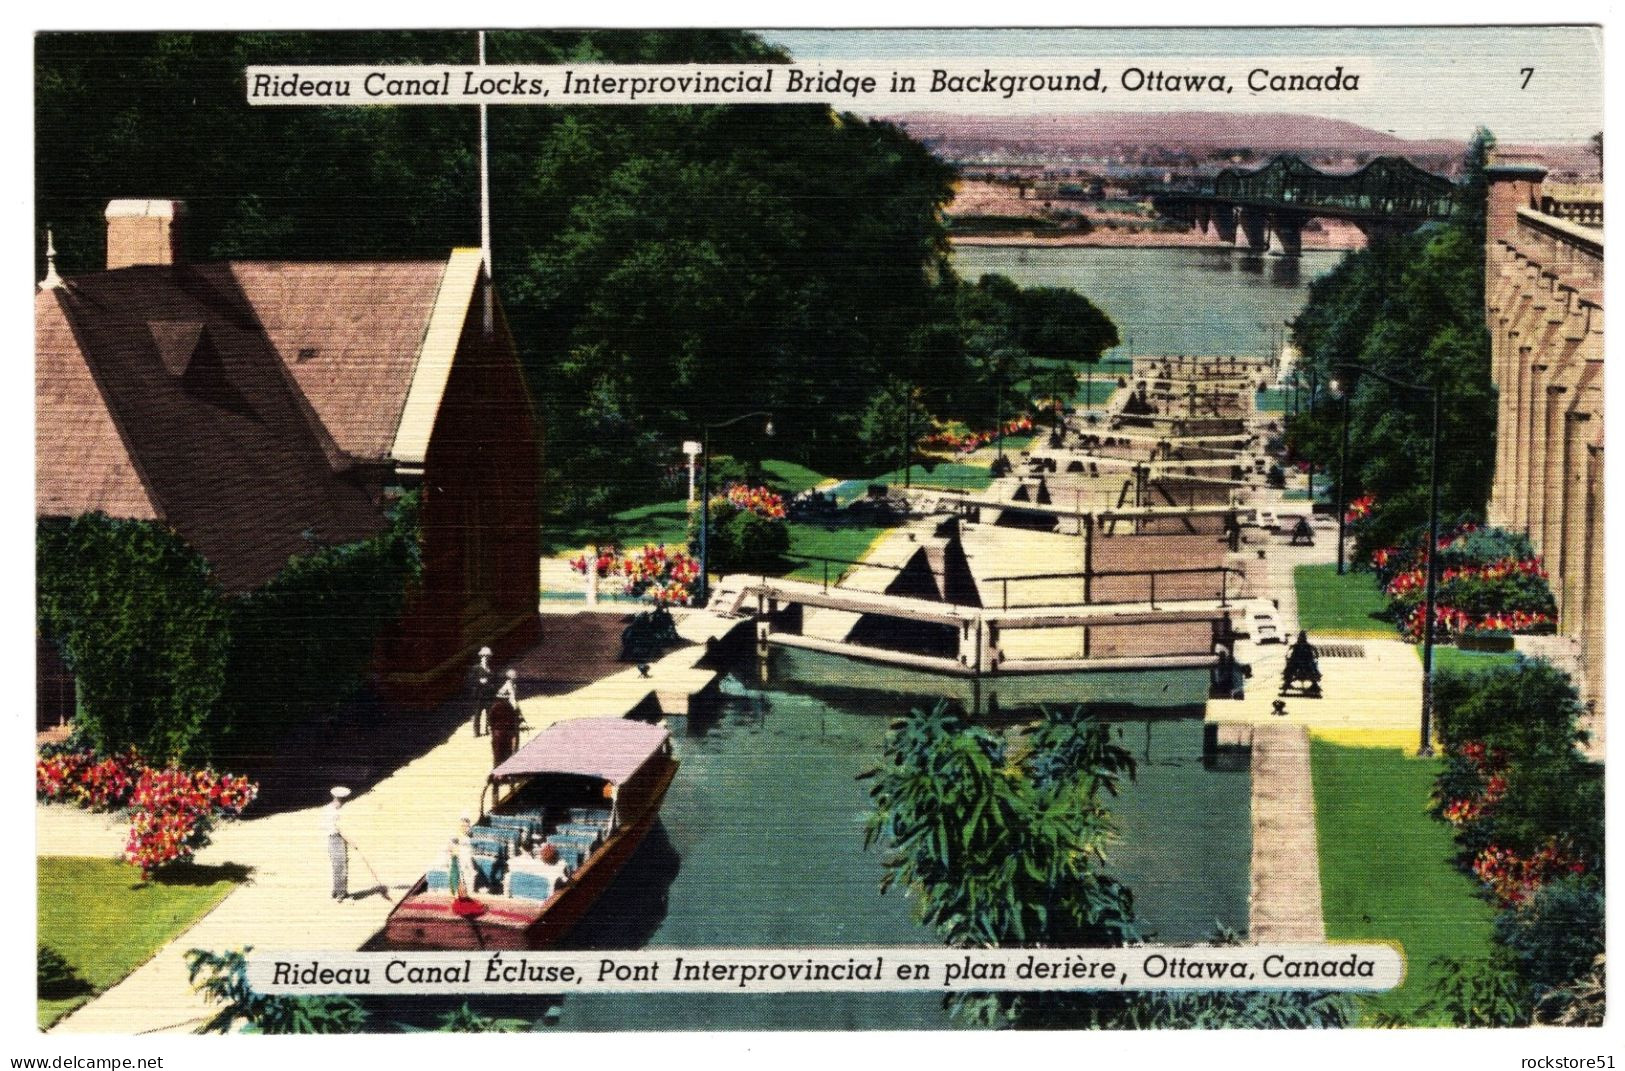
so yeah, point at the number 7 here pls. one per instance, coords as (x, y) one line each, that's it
(1528, 73)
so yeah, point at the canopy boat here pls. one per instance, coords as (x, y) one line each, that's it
(592, 789)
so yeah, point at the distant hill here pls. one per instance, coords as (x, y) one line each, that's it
(1262, 132)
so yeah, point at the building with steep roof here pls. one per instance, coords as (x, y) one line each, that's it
(264, 408)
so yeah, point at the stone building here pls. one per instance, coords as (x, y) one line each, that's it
(262, 409)
(1543, 303)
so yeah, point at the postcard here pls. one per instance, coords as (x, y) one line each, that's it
(570, 531)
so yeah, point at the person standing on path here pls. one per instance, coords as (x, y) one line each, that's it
(338, 849)
(510, 689)
(505, 722)
(482, 682)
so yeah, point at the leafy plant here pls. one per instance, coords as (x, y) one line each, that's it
(143, 627)
(465, 1020)
(1584, 1003)
(1555, 937)
(1470, 994)
(225, 982)
(304, 640)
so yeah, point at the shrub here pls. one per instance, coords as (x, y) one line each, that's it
(304, 640)
(465, 1020)
(143, 627)
(666, 577)
(55, 976)
(174, 812)
(1556, 935)
(740, 539)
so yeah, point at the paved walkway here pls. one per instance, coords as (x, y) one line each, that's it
(397, 828)
(1284, 901)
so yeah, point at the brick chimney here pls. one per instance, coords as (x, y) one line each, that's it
(143, 232)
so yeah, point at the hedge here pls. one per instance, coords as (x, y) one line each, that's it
(169, 664)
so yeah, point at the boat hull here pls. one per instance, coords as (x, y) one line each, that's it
(424, 921)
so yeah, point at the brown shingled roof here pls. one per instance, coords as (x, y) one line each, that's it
(81, 460)
(350, 334)
(162, 394)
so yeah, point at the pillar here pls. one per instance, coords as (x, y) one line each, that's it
(1255, 228)
(1286, 234)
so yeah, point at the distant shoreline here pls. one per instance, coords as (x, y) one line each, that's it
(1116, 241)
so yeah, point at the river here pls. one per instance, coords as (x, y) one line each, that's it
(1191, 301)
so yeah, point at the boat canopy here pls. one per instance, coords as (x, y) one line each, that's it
(611, 748)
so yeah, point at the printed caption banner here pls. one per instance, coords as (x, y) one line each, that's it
(808, 970)
(1038, 81)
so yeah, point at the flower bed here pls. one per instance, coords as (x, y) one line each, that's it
(946, 439)
(664, 576)
(1490, 583)
(172, 810)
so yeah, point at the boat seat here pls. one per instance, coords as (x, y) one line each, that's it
(529, 886)
(489, 868)
(597, 815)
(490, 845)
(526, 826)
(511, 839)
(587, 840)
(439, 880)
(573, 852)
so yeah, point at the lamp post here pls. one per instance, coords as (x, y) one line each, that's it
(998, 410)
(908, 436)
(705, 493)
(1342, 476)
(1426, 747)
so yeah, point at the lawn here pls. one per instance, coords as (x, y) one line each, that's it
(1350, 604)
(1271, 400)
(949, 475)
(847, 544)
(1385, 867)
(661, 522)
(1099, 392)
(790, 478)
(1459, 661)
(106, 923)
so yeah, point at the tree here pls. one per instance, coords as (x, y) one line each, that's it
(1003, 844)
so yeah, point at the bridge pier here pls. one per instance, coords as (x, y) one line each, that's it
(1224, 221)
(1286, 234)
(1255, 228)
(1379, 229)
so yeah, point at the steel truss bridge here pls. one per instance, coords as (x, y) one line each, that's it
(1268, 206)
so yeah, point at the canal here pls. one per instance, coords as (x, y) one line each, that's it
(761, 843)
(761, 837)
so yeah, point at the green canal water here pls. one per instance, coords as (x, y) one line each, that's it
(761, 844)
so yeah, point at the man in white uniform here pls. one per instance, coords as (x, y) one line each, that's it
(481, 683)
(338, 849)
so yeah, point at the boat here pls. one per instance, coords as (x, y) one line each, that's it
(591, 788)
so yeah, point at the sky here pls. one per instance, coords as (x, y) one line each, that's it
(1428, 82)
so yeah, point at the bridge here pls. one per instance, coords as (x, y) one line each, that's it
(1268, 206)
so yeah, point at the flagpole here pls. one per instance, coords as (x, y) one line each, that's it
(485, 197)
